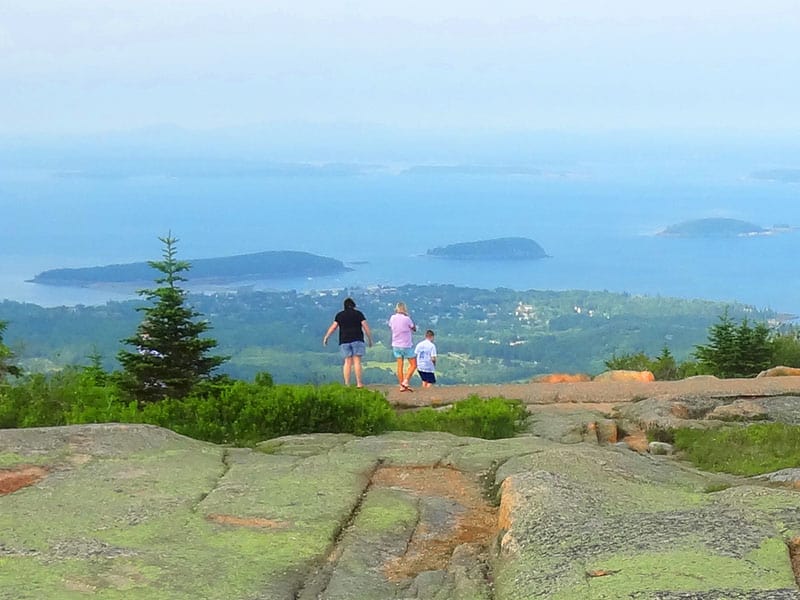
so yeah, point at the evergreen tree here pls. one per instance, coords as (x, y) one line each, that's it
(664, 367)
(733, 351)
(171, 357)
(755, 352)
(6, 356)
(720, 356)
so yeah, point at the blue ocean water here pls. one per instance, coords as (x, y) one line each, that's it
(597, 226)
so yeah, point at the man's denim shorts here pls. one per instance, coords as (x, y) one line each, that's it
(352, 349)
(403, 352)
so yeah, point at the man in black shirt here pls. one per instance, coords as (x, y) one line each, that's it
(352, 325)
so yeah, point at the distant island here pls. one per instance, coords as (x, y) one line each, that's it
(781, 175)
(284, 264)
(718, 227)
(510, 248)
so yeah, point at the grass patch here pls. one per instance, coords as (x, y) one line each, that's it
(492, 418)
(716, 487)
(752, 450)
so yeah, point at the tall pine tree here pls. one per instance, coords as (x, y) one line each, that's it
(170, 358)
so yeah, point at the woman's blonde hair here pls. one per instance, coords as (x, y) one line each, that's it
(401, 308)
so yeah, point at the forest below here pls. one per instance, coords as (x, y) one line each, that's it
(483, 336)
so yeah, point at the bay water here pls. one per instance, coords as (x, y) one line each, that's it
(597, 226)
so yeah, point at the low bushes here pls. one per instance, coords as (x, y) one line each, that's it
(246, 413)
(750, 450)
(241, 413)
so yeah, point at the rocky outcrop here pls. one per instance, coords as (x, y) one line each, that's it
(622, 375)
(561, 378)
(632, 527)
(140, 512)
(703, 411)
(780, 372)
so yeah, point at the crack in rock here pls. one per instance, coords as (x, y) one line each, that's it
(226, 467)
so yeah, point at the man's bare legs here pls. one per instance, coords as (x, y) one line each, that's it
(348, 362)
(358, 370)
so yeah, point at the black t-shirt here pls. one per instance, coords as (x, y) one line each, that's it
(349, 321)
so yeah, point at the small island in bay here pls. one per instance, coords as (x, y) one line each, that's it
(778, 175)
(719, 227)
(509, 248)
(283, 264)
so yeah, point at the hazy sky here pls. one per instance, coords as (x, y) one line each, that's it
(95, 65)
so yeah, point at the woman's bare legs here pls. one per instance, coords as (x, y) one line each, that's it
(357, 368)
(348, 362)
(412, 366)
(400, 377)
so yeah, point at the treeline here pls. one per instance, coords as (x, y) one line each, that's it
(732, 350)
(483, 336)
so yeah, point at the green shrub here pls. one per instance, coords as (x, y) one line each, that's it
(661, 434)
(786, 348)
(245, 413)
(750, 450)
(493, 418)
(224, 411)
(67, 397)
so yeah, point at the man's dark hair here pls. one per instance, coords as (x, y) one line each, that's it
(349, 303)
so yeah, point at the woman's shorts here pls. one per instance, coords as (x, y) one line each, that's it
(349, 349)
(427, 376)
(403, 352)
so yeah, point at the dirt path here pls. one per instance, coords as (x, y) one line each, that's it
(595, 392)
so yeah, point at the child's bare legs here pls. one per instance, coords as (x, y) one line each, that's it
(357, 368)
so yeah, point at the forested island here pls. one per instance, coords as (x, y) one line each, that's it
(228, 269)
(714, 227)
(508, 248)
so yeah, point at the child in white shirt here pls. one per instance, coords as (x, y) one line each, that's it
(426, 359)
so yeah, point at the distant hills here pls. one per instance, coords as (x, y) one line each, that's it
(283, 264)
(509, 248)
(719, 227)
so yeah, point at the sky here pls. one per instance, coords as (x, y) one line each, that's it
(87, 66)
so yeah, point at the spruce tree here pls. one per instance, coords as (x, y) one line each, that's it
(755, 352)
(733, 351)
(720, 356)
(170, 358)
(6, 356)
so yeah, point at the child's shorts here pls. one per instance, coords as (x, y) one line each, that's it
(427, 377)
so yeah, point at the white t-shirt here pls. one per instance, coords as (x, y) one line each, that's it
(425, 351)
